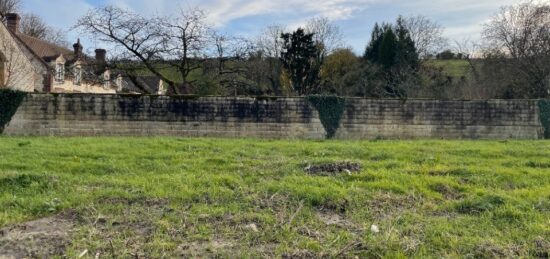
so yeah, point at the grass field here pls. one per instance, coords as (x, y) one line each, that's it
(456, 68)
(168, 197)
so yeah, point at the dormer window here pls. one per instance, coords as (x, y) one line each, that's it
(119, 83)
(60, 72)
(107, 79)
(78, 75)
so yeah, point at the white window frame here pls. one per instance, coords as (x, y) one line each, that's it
(78, 75)
(60, 72)
(106, 79)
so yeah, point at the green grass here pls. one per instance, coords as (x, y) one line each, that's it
(455, 68)
(167, 197)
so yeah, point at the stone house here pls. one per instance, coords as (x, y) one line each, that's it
(34, 65)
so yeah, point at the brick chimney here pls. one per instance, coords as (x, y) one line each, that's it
(12, 22)
(77, 49)
(101, 55)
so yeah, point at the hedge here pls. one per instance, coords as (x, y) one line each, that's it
(9, 102)
(544, 107)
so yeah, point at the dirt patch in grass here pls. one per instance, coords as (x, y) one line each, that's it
(330, 218)
(299, 254)
(122, 233)
(448, 192)
(490, 250)
(333, 168)
(385, 205)
(457, 172)
(149, 203)
(205, 248)
(125, 229)
(42, 238)
(542, 248)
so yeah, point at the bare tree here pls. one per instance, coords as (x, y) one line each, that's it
(231, 55)
(34, 26)
(266, 61)
(158, 43)
(326, 34)
(269, 42)
(8, 6)
(185, 39)
(228, 48)
(426, 34)
(519, 36)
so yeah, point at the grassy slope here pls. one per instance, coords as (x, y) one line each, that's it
(429, 198)
(453, 68)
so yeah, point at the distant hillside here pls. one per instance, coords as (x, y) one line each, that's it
(455, 67)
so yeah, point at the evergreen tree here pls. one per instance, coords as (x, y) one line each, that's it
(371, 53)
(388, 49)
(393, 53)
(300, 58)
(391, 46)
(407, 53)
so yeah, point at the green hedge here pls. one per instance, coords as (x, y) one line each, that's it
(544, 106)
(331, 109)
(9, 102)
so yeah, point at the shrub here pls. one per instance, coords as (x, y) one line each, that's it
(9, 102)
(544, 106)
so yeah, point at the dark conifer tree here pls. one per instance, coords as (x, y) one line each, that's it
(300, 58)
(395, 58)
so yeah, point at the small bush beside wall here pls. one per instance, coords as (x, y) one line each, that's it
(331, 109)
(544, 107)
(9, 103)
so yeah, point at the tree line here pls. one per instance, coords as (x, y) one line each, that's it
(408, 58)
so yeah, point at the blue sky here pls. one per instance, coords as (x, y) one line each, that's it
(463, 19)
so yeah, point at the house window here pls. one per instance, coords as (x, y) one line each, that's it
(119, 83)
(107, 79)
(60, 72)
(78, 75)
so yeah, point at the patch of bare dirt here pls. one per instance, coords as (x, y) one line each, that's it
(490, 250)
(205, 248)
(126, 232)
(449, 192)
(226, 247)
(300, 254)
(154, 203)
(542, 248)
(333, 168)
(334, 219)
(385, 205)
(42, 238)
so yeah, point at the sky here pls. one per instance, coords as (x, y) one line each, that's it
(462, 19)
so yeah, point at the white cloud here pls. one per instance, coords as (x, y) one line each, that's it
(463, 18)
(224, 11)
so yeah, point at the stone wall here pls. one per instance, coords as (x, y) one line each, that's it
(21, 69)
(118, 115)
